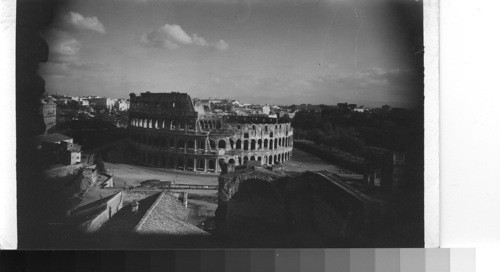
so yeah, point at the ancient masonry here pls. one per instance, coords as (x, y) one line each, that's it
(169, 130)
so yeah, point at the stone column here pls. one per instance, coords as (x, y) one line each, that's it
(185, 199)
(195, 165)
(205, 165)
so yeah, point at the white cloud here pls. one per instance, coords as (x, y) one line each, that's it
(67, 47)
(173, 36)
(199, 40)
(175, 33)
(87, 23)
(221, 45)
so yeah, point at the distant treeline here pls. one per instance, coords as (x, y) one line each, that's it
(342, 127)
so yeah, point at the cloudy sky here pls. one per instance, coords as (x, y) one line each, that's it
(276, 51)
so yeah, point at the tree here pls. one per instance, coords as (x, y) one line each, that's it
(100, 166)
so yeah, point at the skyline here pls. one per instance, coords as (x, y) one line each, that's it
(308, 52)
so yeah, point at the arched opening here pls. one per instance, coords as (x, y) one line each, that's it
(180, 163)
(252, 158)
(275, 143)
(231, 161)
(212, 144)
(222, 144)
(265, 159)
(190, 164)
(265, 143)
(239, 160)
(259, 144)
(200, 164)
(231, 143)
(259, 158)
(245, 145)
(245, 159)
(252, 145)
(271, 134)
(246, 135)
(180, 144)
(211, 165)
(238, 144)
(279, 142)
(201, 144)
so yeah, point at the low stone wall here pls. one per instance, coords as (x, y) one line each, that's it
(106, 211)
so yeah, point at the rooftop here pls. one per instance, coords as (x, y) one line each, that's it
(157, 214)
(51, 138)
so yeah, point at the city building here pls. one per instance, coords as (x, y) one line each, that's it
(48, 110)
(84, 102)
(103, 102)
(122, 105)
(167, 131)
(58, 149)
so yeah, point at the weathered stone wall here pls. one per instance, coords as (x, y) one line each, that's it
(306, 210)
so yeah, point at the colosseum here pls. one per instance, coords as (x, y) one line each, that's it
(170, 130)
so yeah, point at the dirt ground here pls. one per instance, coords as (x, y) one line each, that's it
(133, 175)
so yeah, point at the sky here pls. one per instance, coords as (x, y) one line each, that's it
(277, 51)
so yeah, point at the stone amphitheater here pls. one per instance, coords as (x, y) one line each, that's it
(170, 130)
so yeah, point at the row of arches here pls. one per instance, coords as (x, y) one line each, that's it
(177, 162)
(177, 143)
(164, 124)
(174, 143)
(258, 144)
(203, 164)
(205, 124)
(265, 159)
(264, 127)
(210, 124)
